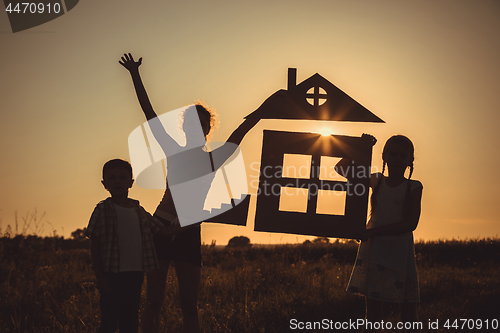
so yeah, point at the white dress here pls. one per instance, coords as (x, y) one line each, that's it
(385, 266)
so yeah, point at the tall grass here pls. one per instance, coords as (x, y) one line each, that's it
(46, 285)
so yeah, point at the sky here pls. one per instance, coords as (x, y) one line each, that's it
(429, 69)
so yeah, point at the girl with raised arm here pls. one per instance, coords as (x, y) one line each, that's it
(191, 162)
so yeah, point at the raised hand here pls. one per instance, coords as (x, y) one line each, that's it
(129, 63)
(367, 137)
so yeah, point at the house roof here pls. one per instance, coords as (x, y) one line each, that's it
(313, 99)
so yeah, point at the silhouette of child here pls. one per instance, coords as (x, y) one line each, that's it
(122, 248)
(385, 269)
(193, 168)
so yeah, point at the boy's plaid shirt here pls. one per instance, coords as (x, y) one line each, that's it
(103, 228)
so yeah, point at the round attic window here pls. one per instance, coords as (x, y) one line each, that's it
(316, 96)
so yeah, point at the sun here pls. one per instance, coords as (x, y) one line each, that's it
(325, 131)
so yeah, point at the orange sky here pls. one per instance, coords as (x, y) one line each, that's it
(430, 69)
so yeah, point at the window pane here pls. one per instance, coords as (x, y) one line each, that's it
(293, 199)
(327, 169)
(331, 202)
(296, 166)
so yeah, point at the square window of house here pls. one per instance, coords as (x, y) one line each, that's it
(293, 199)
(296, 166)
(331, 202)
(327, 169)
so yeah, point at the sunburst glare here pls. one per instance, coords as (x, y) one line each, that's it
(325, 131)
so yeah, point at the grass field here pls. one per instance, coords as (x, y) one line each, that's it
(46, 285)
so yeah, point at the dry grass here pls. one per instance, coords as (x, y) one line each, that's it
(46, 285)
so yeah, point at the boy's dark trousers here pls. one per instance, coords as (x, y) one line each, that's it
(120, 308)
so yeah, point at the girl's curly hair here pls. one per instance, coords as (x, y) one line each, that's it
(203, 111)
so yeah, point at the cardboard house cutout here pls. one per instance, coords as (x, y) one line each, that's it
(310, 194)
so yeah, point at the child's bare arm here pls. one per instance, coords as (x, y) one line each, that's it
(133, 67)
(222, 154)
(344, 165)
(237, 136)
(95, 252)
(163, 138)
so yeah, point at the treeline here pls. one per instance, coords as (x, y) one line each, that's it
(460, 253)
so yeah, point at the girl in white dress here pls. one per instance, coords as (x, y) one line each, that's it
(385, 269)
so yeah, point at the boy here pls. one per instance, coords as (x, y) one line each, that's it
(122, 249)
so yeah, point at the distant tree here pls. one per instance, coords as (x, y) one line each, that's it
(239, 241)
(79, 234)
(321, 240)
(307, 242)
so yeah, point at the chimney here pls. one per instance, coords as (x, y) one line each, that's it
(292, 78)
